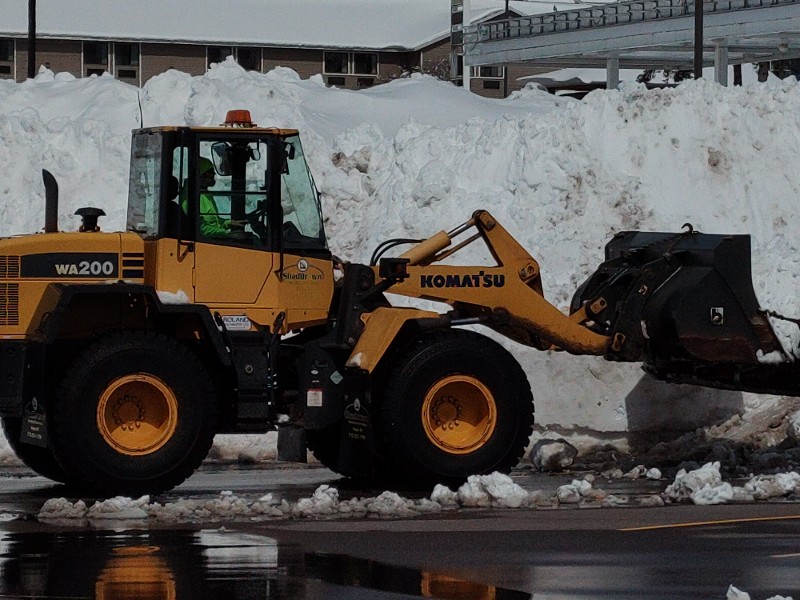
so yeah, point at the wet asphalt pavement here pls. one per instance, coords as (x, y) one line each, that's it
(553, 553)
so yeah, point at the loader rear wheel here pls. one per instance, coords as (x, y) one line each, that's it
(36, 458)
(136, 414)
(457, 404)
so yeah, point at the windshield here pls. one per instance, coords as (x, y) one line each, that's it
(144, 185)
(302, 213)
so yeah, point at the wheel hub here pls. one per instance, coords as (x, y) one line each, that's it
(459, 414)
(137, 414)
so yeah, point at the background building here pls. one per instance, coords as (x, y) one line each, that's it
(354, 44)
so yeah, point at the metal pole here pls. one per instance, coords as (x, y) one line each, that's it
(466, 70)
(31, 39)
(698, 39)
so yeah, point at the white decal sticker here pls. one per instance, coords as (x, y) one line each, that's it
(236, 322)
(314, 398)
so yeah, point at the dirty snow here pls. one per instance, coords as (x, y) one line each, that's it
(479, 491)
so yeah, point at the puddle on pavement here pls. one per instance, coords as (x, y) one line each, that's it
(176, 565)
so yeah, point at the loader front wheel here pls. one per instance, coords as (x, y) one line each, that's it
(456, 404)
(136, 414)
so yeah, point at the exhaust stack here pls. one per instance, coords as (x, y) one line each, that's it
(50, 202)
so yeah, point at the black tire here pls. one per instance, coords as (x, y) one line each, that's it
(36, 458)
(450, 382)
(136, 414)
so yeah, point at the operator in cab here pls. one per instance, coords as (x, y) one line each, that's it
(211, 223)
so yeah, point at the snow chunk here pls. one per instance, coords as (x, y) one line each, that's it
(61, 508)
(653, 473)
(324, 501)
(120, 508)
(574, 492)
(764, 487)
(716, 494)
(179, 297)
(737, 594)
(446, 497)
(495, 490)
(686, 484)
(553, 455)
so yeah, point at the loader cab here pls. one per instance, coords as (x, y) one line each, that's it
(230, 218)
(242, 187)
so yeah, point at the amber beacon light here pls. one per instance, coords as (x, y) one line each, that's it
(238, 118)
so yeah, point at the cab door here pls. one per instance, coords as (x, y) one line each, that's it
(233, 254)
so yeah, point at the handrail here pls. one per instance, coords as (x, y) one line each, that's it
(617, 13)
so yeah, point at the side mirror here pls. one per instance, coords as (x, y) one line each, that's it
(220, 155)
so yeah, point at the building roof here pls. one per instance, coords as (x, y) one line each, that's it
(359, 24)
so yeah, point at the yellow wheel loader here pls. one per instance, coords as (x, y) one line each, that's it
(221, 309)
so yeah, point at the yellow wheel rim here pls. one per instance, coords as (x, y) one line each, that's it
(459, 414)
(137, 414)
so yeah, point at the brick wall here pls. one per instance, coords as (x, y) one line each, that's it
(158, 58)
(305, 62)
(436, 59)
(61, 56)
(395, 64)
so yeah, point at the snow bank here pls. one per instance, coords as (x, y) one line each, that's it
(418, 155)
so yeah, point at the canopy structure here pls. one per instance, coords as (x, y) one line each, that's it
(642, 34)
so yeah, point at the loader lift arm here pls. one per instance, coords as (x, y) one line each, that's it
(507, 297)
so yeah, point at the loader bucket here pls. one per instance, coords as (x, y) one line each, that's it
(683, 298)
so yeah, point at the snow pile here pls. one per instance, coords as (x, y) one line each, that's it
(416, 155)
(493, 490)
(737, 594)
(688, 483)
(480, 491)
(705, 486)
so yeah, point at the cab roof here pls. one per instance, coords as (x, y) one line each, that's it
(228, 130)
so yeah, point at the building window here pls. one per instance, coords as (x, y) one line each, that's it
(365, 63)
(489, 72)
(335, 80)
(491, 84)
(365, 82)
(350, 63)
(95, 54)
(6, 50)
(218, 54)
(6, 58)
(336, 62)
(126, 62)
(126, 55)
(249, 58)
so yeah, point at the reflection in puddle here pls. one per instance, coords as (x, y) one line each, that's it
(176, 565)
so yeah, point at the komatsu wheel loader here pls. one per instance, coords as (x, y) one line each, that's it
(221, 309)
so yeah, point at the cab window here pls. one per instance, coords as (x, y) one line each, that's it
(144, 186)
